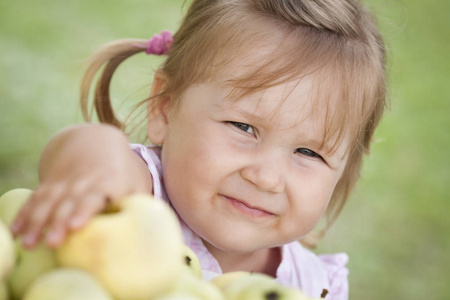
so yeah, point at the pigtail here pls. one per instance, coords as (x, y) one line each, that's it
(111, 56)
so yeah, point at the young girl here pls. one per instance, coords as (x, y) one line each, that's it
(258, 120)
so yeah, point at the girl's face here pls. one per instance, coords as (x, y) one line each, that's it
(249, 174)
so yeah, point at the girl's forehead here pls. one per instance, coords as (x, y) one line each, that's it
(287, 99)
(298, 100)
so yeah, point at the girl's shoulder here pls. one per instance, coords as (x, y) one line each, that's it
(152, 157)
(313, 273)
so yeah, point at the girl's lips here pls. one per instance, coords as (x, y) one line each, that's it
(247, 209)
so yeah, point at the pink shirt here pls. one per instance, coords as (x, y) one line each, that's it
(299, 266)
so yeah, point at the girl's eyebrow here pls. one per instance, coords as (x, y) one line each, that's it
(250, 116)
(244, 113)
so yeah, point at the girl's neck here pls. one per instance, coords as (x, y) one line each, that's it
(262, 261)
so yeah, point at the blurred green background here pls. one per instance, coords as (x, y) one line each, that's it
(395, 228)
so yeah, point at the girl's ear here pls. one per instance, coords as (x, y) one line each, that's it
(157, 110)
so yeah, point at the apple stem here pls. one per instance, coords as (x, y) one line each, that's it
(187, 260)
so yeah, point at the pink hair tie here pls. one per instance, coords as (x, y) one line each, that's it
(159, 44)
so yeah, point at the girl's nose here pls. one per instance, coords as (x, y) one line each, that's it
(266, 174)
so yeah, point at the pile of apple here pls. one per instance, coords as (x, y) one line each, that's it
(131, 252)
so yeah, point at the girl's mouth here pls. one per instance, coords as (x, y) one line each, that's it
(247, 209)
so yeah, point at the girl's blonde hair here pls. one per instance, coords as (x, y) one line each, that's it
(337, 39)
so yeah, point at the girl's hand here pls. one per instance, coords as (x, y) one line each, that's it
(81, 170)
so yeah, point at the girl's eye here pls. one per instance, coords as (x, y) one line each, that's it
(244, 127)
(307, 152)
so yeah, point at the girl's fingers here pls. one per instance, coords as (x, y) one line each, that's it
(55, 209)
(34, 216)
(21, 218)
(50, 206)
(32, 230)
(57, 227)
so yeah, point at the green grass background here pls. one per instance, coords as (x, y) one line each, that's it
(395, 228)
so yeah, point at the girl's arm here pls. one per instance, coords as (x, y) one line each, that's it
(81, 170)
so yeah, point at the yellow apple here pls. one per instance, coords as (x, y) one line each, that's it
(191, 261)
(7, 253)
(225, 278)
(189, 284)
(257, 286)
(11, 202)
(66, 284)
(30, 263)
(255, 292)
(4, 294)
(248, 285)
(177, 296)
(133, 250)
